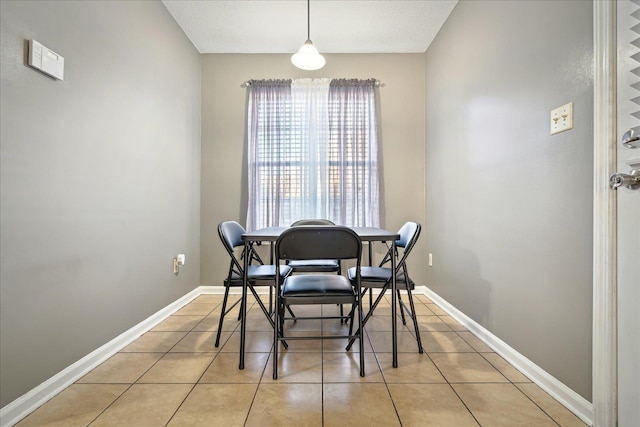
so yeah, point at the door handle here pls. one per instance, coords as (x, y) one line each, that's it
(630, 180)
(631, 139)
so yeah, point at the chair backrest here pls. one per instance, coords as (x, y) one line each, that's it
(409, 234)
(312, 222)
(318, 242)
(230, 233)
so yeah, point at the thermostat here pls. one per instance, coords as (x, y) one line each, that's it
(44, 59)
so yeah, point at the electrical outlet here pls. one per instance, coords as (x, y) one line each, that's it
(178, 261)
(561, 118)
(430, 260)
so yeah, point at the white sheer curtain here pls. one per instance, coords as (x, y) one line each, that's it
(312, 152)
(310, 103)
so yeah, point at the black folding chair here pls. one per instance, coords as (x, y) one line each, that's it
(316, 265)
(380, 277)
(258, 274)
(317, 242)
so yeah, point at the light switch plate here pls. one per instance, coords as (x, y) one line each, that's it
(44, 59)
(561, 118)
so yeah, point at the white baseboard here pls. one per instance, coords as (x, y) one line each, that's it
(219, 290)
(577, 404)
(30, 401)
(27, 403)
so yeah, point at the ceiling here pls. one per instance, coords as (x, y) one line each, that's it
(336, 26)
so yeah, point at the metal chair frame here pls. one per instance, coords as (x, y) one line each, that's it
(318, 242)
(380, 278)
(258, 273)
(334, 265)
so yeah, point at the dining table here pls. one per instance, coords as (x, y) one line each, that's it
(366, 234)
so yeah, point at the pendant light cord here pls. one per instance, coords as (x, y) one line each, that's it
(308, 20)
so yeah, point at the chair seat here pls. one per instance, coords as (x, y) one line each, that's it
(376, 277)
(236, 281)
(266, 272)
(321, 265)
(317, 287)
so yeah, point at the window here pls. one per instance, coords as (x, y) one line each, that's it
(313, 152)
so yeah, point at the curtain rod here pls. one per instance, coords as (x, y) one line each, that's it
(247, 84)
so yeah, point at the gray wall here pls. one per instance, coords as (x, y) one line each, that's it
(509, 207)
(100, 179)
(223, 139)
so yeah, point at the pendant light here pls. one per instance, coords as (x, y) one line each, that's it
(308, 57)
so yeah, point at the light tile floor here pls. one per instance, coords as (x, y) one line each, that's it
(174, 376)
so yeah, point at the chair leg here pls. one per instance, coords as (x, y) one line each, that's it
(276, 332)
(339, 272)
(241, 310)
(360, 335)
(415, 320)
(351, 314)
(264, 310)
(404, 321)
(281, 326)
(224, 307)
(284, 342)
(293, 315)
(366, 318)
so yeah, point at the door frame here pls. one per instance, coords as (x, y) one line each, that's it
(604, 339)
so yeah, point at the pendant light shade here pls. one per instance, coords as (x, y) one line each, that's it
(308, 57)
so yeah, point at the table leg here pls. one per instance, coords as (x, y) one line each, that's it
(243, 303)
(394, 328)
(370, 265)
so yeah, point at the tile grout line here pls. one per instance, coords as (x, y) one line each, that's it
(138, 378)
(510, 382)
(114, 401)
(535, 403)
(210, 363)
(255, 394)
(453, 389)
(463, 402)
(386, 385)
(205, 370)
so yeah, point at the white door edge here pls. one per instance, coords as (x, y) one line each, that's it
(604, 353)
